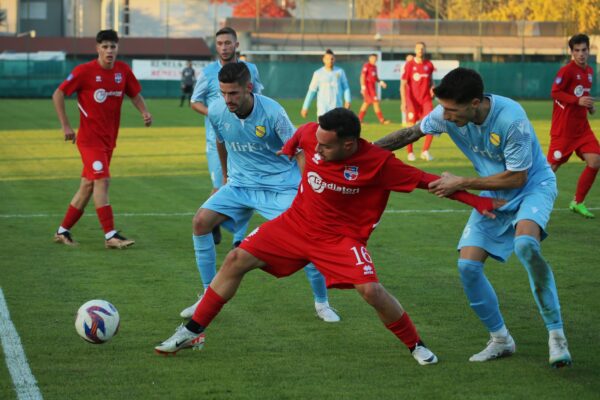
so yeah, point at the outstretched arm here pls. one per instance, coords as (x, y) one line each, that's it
(398, 139)
(449, 183)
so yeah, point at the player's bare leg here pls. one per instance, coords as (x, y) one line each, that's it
(74, 212)
(394, 317)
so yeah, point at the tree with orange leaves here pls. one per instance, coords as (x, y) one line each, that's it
(267, 8)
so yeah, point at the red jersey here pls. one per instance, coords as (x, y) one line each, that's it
(345, 198)
(369, 73)
(419, 80)
(568, 117)
(99, 97)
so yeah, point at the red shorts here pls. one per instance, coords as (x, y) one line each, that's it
(370, 96)
(416, 112)
(561, 147)
(343, 261)
(96, 162)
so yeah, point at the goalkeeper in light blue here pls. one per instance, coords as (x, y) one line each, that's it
(250, 130)
(330, 85)
(497, 137)
(206, 92)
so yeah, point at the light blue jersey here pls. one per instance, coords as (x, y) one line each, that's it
(331, 89)
(251, 145)
(206, 91)
(505, 141)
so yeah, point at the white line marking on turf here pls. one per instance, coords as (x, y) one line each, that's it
(23, 379)
(189, 214)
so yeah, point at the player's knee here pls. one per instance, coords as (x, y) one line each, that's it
(371, 292)
(201, 224)
(469, 271)
(238, 262)
(526, 248)
(594, 162)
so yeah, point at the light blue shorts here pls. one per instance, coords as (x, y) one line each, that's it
(496, 236)
(214, 164)
(239, 204)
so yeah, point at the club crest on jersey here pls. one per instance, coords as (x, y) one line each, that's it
(98, 78)
(118, 77)
(260, 131)
(558, 80)
(495, 139)
(350, 172)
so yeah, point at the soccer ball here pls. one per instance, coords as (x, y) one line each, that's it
(97, 321)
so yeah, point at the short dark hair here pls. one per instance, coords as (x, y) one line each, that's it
(342, 121)
(236, 72)
(107, 35)
(461, 85)
(578, 39)
(329, 51)
(226, 31)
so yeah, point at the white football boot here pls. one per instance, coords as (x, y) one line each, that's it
(181, 339)
(411, 157)
(559, 352)
(426, 156)
(497, 347)
(189, 311)
(424, 356)
(326, 313)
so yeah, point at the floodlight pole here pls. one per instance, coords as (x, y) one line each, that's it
(116, 15)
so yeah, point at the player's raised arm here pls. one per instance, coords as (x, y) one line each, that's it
(400, 138)
(58, 99)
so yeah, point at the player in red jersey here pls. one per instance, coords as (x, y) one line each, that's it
(368, 89)
(570, 131)
(416, 90)
(345, 187)
(100, 86)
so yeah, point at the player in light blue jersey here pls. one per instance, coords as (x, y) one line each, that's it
(497, 137)
(205, 93)
(250, 129)
(330, 85)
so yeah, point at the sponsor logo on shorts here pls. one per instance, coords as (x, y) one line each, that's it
(495, 139)
(319, 185)
(260, 131)
(100, 95)
(557, 155)
(350, 172)
(97, 166)
(368, 270)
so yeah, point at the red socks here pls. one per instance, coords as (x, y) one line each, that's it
(586, 180)
(71, 217)
(105, 215)
(405, 330)
(380, 116)
(361, 115)
(427, 144)
(209, 307)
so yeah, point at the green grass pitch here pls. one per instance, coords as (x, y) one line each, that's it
(267, 342)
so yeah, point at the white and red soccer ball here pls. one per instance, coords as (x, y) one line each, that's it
(97, 321)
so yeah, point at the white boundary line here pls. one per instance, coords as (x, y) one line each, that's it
(23, 379)
(189, 214)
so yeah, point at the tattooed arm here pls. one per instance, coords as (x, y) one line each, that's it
(400, 138)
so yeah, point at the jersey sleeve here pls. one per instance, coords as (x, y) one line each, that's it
(434, 123)
(399, 177)
(73, 82)
(404, 75)
(200, 90)
(293, 145)
(212, 119)
(345, 87)
(517, 150)
(284, 128)
(257, 86)
(313, 87)
(132, 85)
(560, 87)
